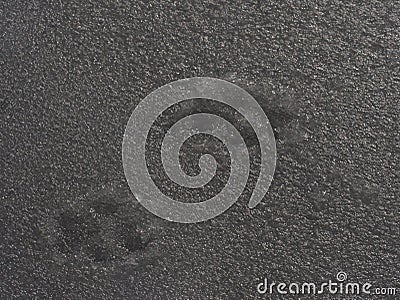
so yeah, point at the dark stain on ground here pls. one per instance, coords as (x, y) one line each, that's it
(84, 232)
(101, 227)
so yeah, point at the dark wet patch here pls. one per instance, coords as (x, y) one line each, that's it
(75, 230)
(100, 237)
(103, 226)
(365, 192)
(282, 106)
(104, 205)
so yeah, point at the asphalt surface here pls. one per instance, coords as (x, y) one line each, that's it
(327, 76)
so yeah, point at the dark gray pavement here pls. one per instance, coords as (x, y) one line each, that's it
(326, 74)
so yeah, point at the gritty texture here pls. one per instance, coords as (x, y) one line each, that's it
(326, 74)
